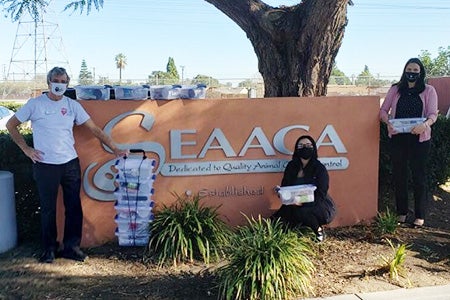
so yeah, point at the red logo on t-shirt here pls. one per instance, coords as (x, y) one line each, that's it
(63, 111)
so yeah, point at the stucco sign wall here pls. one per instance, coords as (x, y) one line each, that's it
(231, 152)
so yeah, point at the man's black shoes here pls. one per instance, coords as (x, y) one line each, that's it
(73, 254)
(47, 257)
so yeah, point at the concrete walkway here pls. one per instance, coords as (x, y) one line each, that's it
(440, 292)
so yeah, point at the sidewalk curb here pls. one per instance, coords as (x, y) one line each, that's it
(440, 292)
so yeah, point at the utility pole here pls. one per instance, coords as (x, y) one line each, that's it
(182, 74)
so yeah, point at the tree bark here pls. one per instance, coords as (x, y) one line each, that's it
(295, 45)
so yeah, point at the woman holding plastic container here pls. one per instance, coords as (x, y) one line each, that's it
(305, 168)
(412, 99)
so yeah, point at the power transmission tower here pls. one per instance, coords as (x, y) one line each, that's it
(37, 48)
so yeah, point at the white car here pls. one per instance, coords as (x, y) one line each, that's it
(5, 115)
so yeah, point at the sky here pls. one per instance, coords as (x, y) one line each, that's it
(382, 34)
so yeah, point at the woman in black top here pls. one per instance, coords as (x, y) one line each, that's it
(305, 168)
(411, 97)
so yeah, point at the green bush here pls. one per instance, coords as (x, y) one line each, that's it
(187, 231)
(439, 172)
(11, 105)
(439, 160)
(12, 159)
(266, 261)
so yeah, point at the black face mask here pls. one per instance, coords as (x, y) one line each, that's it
(305, 153)
(411, 76)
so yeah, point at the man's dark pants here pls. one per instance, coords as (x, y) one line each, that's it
(48, 178)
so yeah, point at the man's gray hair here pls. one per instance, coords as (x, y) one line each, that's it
(56, 71)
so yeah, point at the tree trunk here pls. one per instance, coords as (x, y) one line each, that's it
(296, 46)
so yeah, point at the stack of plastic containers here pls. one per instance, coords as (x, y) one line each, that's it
(134, 205)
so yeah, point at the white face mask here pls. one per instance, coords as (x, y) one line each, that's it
(58, 89)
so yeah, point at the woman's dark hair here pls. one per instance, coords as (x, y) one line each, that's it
(313, 142)
(420, 82)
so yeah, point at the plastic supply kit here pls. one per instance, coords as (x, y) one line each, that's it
(405, 125)
(131, 92)
(297, 194)
(171, 92)
(92, 92)
(134, 205)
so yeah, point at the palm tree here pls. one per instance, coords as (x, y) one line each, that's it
(121, 62)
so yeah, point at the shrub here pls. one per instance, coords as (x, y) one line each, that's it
(386, 222)
(187, 231)
(265, 261)
(12, 159)
(439, 162)
(11, 105)
(439, 159)
(394, 265)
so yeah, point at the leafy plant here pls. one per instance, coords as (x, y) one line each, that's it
(266, 261)
(187, 231)
(386, 222)
(395, 264)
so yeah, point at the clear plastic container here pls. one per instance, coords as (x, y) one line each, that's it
(124, 199)
(164, 92)
(133, 227)
(135, 189)
(131, 92)
(139, 200)
(127, 239)
(134, 211)
(193, 92)
(296, 194)
(406, 125)
(135, 169)
(128, 194)
(134, 182)
(92, 92)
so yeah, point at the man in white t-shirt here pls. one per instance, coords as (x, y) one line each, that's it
(55, 160)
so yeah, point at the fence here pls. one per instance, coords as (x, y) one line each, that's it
(217, 88)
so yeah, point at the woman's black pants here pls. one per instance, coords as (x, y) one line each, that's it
(407, 151)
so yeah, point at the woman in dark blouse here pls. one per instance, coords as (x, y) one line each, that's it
(305, 168)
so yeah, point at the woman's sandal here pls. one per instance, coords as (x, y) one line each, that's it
(418, 223)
